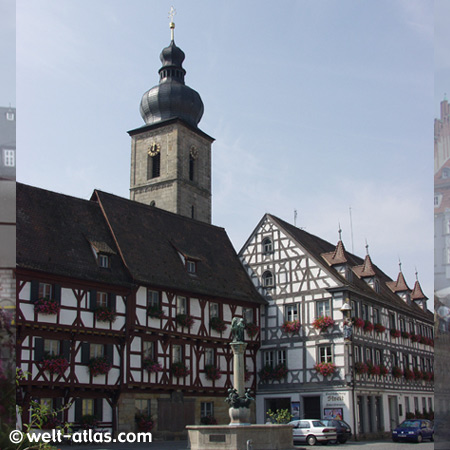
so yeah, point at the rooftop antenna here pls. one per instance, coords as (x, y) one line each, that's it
(295, 217)
(172, 13)
(351, 227)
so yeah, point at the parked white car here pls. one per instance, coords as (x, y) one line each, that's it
(312, 431)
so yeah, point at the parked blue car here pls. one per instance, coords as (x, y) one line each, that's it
(414, 430)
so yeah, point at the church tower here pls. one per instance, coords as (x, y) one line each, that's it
(170, 155)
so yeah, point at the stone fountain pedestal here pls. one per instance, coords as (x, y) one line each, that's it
(235, 437)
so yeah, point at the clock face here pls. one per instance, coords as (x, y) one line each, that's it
(154, 149)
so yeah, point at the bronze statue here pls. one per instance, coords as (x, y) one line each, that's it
(237, 329)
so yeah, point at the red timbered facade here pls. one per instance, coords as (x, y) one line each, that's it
(124, 311)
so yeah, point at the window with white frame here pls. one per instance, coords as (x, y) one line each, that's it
(181, 305)
(9, 158)
(273, 358)
(103, 260)
(247, 314)
(102, 299)
(267, 279)
(51, 347)
(356, 353)
(177, 354)
(152, 298)
(402, 324)
(323, 308)
(407, 405)
(411, 327)
(355, 309)
(392, 321)
(394, 359)
(405, 361)
(376, 315)
(416, 403)
(430, 404)
(191, 266)
(325, 354)
(206, 409)
(209, 357)
(369, 354)
(45, 290)
(213, 310)
(378, 356)
(365, 312)
(267, 246)
(148, 349)
(291, 312)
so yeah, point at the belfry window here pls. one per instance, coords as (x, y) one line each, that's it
(191, 168)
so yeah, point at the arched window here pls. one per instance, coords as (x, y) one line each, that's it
(267, 246)
(267, 279)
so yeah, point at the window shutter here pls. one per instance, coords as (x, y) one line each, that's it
(98, 409)
(109, 353)
(112, 302)
(57, 293)
(65, 349)
(34, 291)
(93, 300)
(38, 349)
(85, 352)
(78, 409)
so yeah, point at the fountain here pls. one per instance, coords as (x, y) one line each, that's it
(240, 434)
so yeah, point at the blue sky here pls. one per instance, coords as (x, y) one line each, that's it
(315, 106)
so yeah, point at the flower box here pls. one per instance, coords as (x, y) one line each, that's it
(88, 421)
(104, 314)
(361, 368)
(156, 312)
(151, 366)
(409, 374)
(218, 324)
(184, 320)
(358, 322)
(47, 306)
(212, 372)
(99, 366)
(179, 370)
(322, 323)
(428, 376)
(406, 335)
(368, 326)
(418, 374)
(395, 333)
(383, 370)
(416, 337)
(144, 422)
(373, 369)
(252, 329)
(379, 328)
(55, 364)
(291, 326)
(273, 373)
(325, 369)
(397, 372)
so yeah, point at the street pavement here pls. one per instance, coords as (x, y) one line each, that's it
(183, 445)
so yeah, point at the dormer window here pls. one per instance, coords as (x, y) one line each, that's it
(10, 115)
(191, 266)
(9, 158)
(103, 260)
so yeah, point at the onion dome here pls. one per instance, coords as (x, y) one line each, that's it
(171, 98)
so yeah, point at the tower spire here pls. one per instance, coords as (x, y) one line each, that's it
(172, 13)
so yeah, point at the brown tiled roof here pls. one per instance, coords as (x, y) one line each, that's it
(316, 247)
(366, 269)
(399, 285)
(336, 257)
(150, 240)
(53, 232)
(417, 293)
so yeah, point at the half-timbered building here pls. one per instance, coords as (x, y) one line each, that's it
(339, 337)
(124, 311)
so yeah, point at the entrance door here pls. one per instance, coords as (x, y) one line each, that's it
(393, 412)
(311, 407)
